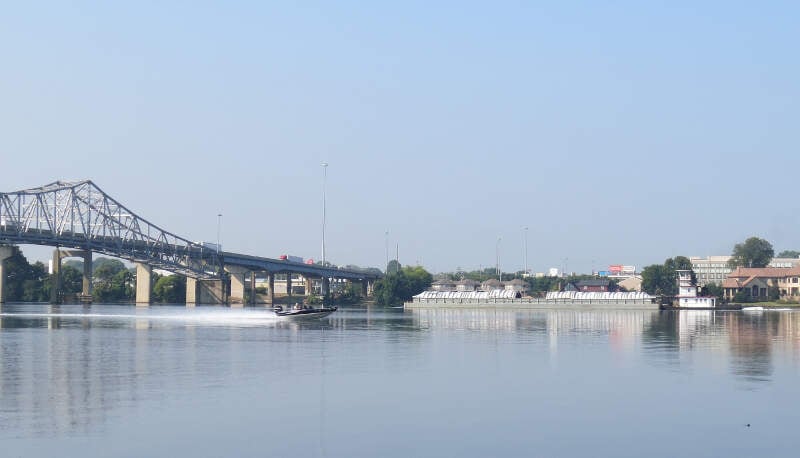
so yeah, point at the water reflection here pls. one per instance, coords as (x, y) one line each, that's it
(747, 340)
(70, 369)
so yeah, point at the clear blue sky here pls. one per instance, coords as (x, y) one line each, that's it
(618, 132)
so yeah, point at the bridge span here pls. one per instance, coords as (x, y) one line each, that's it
(79, 219)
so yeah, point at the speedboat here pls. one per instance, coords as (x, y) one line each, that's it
(304, 312)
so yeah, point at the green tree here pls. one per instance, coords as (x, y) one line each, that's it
(398, 287)
(71, 280)
(393, 266)
(105, 268)
(114, 287)
(170, 289)
(789, 254)
(17, 271)
(660, 279)
(112, 281)
(713, 289)
(657, 280)
(753, 252)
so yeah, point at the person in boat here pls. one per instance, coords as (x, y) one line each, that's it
(297, 306)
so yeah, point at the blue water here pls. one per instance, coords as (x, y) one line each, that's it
(211, 381)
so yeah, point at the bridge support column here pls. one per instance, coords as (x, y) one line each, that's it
(204, 292)
(191, 291)
(144, 284)
(370, 288)
(253, 287)
(55, 279)
(5, 253)
(86, 292)
(326, 286)
(271, 284)
(364, 288)
(309, 286)
(289, 284)
(237, 274)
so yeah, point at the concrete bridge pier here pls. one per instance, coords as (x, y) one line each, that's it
(309, 285)
(326, 286)
(252, 287)
(86, 287)
(236, 298)
(289, 284)
(271, 283)
(86, 290)
(5, 253)
(55, 278)
(144, 284)
(364, 288)
(204, 292)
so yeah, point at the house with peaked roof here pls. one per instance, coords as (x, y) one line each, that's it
(443, 284)
(757, 281)
(467, 285)
(491, 285)
(516, 285)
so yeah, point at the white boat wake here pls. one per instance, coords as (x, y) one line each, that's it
(189, 318)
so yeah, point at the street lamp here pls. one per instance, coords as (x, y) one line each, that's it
(219, 229)
(324, 182)
(497, 255)
(525, 252)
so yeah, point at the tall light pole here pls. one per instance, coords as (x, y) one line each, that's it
(497, 255)
(324, 182)
(219, 230)
(525, 252)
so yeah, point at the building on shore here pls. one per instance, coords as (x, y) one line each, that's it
(595, 285)
(443, 285)
(757, 283)
(715, 269)
(467, 285)
(491, 285)
(631, 283)
(516, 285)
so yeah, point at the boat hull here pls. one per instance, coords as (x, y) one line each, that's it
(306, 314)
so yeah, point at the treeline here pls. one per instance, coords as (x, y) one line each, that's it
(112, 281)
(400, 284)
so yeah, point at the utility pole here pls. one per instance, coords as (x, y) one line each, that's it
(324, 182)
(525, 252)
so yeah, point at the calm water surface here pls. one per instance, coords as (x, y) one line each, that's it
(209, 381)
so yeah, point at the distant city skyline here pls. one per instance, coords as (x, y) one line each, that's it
(617, 134)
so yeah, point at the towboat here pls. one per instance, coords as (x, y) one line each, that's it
(304, 312)
(687, 298)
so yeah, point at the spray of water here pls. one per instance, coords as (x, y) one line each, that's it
(188, 317)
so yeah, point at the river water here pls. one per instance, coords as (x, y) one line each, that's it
(210, 381)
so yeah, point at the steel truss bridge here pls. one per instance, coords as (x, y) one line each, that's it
(82, 216)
